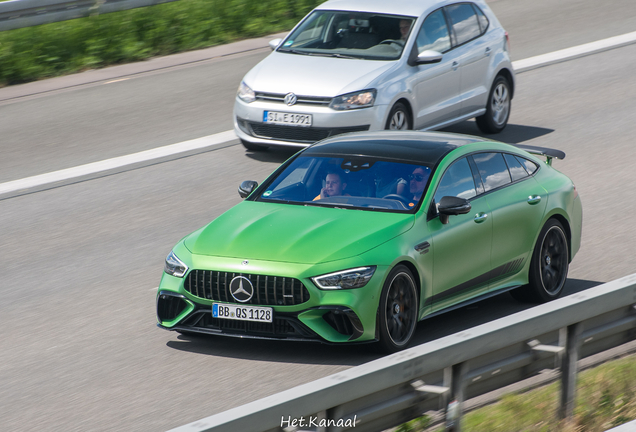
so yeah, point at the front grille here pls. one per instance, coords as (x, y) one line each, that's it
(301, 100)
(268, 290)
(280, 327)
(296, 133)
(169, 307)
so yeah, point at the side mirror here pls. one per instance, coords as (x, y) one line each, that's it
(428, 57)
(452, 206)
(246, 188)
(273, 44)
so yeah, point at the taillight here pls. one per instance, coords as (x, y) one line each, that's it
(507, 42)
(576, 193)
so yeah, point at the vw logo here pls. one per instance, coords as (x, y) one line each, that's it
(241, 289)
(290, 99)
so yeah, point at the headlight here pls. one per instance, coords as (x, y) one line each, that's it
(174, 266)
(245, 93)
(361, 99)
(354, 278)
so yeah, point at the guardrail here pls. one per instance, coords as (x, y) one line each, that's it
(395, 389)
(25, 13)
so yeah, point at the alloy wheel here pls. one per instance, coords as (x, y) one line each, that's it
(399, 121)
(500, 104)
(553, 264)
(400, 312)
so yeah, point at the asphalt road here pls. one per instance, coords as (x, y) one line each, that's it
(79, 349)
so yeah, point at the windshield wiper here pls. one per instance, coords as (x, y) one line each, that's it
(337, 55)
(317, 54)
(328, 204)
(293, 51)
(344, 56)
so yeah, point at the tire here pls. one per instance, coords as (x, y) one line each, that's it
(495, 119)
(548, 267)
(253, 147)
(399, 118)
(398, 310)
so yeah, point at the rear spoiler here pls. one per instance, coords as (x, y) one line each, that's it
(548, 153)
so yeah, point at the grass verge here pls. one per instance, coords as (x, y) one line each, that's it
(606, 398)
(48, 50)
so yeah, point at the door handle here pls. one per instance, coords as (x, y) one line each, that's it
(480, 217)
(534, 199)
(455, 65)
(423, 247)
(487, 51)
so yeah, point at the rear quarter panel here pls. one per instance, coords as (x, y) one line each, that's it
(563, 203)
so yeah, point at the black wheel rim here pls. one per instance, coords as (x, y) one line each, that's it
(553, 261)
(400, 310)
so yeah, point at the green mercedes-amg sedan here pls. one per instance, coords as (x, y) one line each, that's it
(360, 236)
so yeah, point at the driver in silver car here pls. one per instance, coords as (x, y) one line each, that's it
(405, 26)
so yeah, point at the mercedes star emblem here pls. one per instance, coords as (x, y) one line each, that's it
(241, 289)
(290, 99)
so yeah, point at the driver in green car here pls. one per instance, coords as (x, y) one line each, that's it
(417, 184)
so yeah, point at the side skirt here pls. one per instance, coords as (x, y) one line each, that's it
(455, 120)
(471, 301)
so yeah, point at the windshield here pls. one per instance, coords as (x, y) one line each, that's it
(351, 182)
(349, 34)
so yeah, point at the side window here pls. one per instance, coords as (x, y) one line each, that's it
(434, 34)
(483, 21)
(492, 169)
(457, 182)
(464, 21)
(517, 171)
(530, 166)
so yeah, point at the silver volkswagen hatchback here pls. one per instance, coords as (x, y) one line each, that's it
(357, 65)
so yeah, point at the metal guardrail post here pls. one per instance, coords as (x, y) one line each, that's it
(322, 415)
(448, 378)
(569, 371)
(458, 387)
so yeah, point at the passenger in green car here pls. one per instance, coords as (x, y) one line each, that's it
(334, 186)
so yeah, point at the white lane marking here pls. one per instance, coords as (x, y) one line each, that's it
(116, 80)
(117, 162)
(223, 137)
(154, 289)
(577, 51)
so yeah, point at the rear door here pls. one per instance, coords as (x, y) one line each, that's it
(474, 47)
(517, 203)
